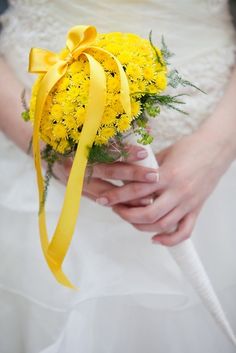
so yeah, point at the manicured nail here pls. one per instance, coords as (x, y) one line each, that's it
(142, 154)
(147, 201)
(103, 201)
(152, 177)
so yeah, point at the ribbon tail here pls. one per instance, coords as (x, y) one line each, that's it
(47, 84)
(62, 237)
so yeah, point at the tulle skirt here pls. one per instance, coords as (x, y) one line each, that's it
(132, 297)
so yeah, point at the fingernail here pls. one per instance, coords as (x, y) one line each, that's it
(103, 201)
(152, 176)
(147, 201)
(142, 154)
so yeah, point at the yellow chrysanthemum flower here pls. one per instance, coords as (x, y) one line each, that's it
(68, 106)
(134, 71)
(80, 116)
(149, 73)
(161, 80)
(109, 116)
(59, 131)
(62, 146)
(64, 83)
(113, 84)
(56, 111)
(123, 123)
(135, 108)
(107, 132)
(70, 122)
(60, 96)
(100, 140)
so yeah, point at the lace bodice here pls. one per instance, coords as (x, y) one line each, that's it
(198, 31)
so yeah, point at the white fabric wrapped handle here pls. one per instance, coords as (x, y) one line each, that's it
(189, 262)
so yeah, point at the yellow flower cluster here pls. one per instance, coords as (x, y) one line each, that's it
(65, 109)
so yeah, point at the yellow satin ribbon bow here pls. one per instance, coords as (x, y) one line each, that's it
(79, 40)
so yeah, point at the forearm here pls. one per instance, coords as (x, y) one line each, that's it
(11, 123)
(221, 126)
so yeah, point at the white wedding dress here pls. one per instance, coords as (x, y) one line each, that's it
(133, 298)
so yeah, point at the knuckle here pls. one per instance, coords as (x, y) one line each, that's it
(135, 188)
(109, 172)
(135, 174)
(129, 173)
(164, 224)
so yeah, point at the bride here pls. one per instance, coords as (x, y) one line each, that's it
(132, 297)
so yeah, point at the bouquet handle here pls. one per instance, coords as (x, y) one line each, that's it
(185, 255)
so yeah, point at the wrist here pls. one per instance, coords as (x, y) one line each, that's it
(220, 128)
(220, 136)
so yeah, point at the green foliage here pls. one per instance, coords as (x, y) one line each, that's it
(158, 58)
(151, 108)
(167, 54)
(25, 115)
(175, 80)
(144, 137)
(50, 157)
(107, 153)
(142, 120)
(100, 154)
(152, 103)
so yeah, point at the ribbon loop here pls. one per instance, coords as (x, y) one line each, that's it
(41, 60)
(80, 38)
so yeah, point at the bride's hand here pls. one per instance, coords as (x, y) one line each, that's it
(189, 171)
(96, 180)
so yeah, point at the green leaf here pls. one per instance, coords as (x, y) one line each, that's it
(175, 80)
(167, 54)
(50, 157)
(155, 50)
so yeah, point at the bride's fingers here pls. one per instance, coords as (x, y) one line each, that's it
(167, 223)
(128, 192)
(134, 153)
(60, 173)
(125, 172)
(182, 233)
(149, 214)
(94, 187)
(145, 201)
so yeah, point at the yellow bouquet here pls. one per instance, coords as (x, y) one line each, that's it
(87, 98)
(128, 62)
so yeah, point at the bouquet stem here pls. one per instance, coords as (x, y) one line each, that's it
(185, 255)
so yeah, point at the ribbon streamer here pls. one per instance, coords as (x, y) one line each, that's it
(79, 40)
